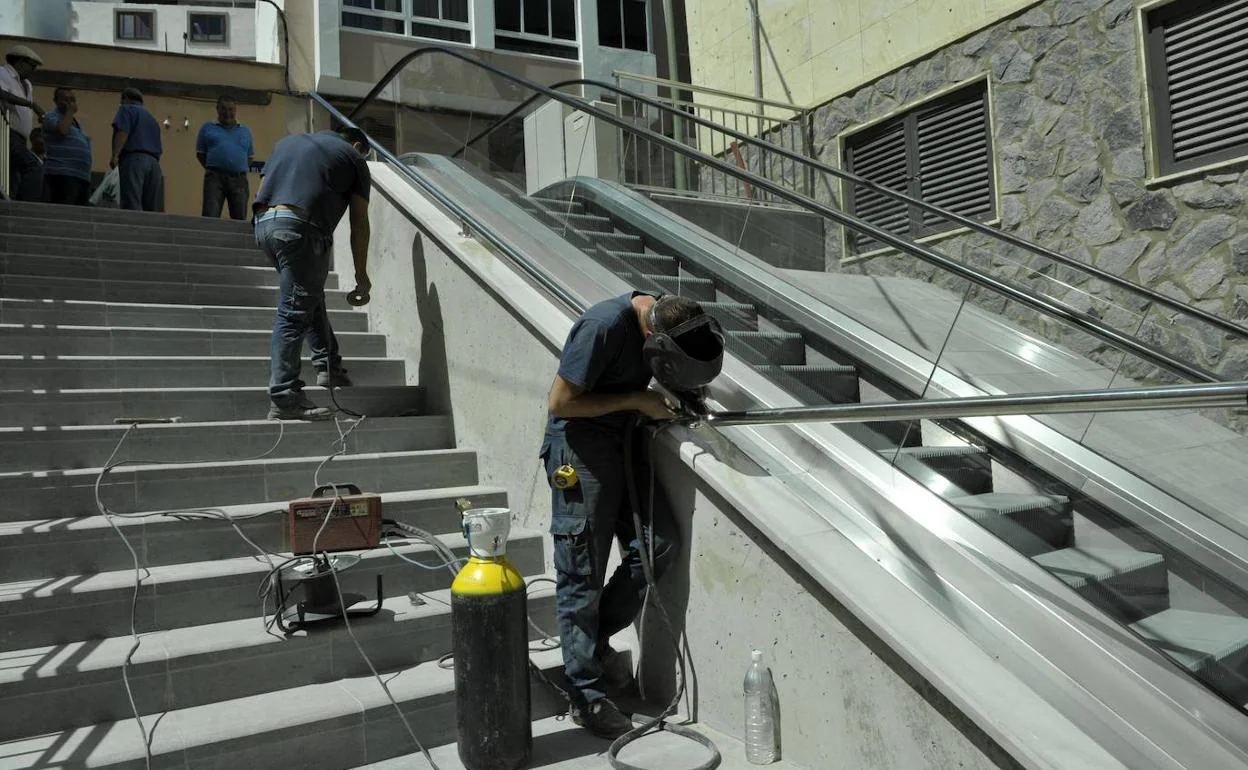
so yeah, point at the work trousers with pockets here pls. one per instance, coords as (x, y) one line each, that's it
(301, 253)
(585, 520)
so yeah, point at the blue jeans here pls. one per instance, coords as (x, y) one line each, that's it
(301, 254)
(141, 181)
(585, 520)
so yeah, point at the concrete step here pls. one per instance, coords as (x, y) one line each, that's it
(694, 288)
(66, 448)
(558, 206)
(107, 268)
(335, 724)
(167, 486)
(637, 262)
(61, 547)
(107, 232)
(70, 216)
(1031, 524)
(121, 251)
(50, 611)
(1214, 648)
(586, 223)
(147, 315)
(78, 372)
(817, 384)
(64, 408)
(57, 688)
(90, 289)
(956, 471)
(58, 340)
(1129, 585)
(767, 348)
(79, 684)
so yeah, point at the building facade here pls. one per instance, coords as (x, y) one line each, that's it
(224, 29)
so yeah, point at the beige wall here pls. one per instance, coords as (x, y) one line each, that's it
(98, 73)
(824, 48)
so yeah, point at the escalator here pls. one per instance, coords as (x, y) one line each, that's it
(1149, 553)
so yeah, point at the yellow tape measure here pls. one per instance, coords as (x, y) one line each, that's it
(565, 477)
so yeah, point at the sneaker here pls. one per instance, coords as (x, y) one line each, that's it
(304, 410)
(602, 718)
(339, 376)
(617, 671)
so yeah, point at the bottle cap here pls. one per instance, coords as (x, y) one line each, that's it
(756, 656)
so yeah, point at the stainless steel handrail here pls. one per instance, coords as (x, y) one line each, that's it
(1045, 305)
(679, 86)
(1208, 396)
(979, 227)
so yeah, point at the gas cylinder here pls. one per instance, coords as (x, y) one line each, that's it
(489, 625)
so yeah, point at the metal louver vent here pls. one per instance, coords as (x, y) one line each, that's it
(940, 152)
(1198, 67)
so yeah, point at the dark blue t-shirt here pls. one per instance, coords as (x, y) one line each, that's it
(143, 132)
(317, 173)
(603, 354)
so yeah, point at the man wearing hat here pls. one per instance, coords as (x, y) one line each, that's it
(25, 170)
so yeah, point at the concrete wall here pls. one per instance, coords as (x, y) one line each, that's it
(185, 92)
(820, 49)
(93, 22)
(487, 359)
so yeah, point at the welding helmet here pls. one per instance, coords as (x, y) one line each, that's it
(687, 356)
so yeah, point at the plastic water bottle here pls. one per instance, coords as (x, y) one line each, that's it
(760, 713)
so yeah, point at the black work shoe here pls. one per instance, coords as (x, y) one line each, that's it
(617, 672)
(339, 377)
(304, 410)
(602, 718)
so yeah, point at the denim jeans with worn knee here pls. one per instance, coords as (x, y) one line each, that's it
(301, 254)
(585, 520)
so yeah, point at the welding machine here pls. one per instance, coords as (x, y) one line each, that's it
(354, 524)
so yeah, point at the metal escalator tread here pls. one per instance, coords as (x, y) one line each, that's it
(928, 452)
(733, 316)
(1197, 640)
(585, 223)
(1079, 566)
(1126, 584)
(619, 241)
(700, 289)
(558, 206)
(657, 264)
(767, 348)
(1005, 503)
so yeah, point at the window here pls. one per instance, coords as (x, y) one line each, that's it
(135, 25)
(940, 152)
(207, 27)
(546, 27)
(375, 15)
(441, 20)
(623, 24)
(1198, 79)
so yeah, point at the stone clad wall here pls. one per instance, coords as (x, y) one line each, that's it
(1069, 123)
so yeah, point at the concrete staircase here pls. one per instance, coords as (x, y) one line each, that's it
(107, 314)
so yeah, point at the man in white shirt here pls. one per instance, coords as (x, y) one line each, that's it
(18, 96)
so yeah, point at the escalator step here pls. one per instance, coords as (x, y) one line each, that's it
(586, 223)
(1212, 647)
(767, 348)
(694, 288)
(1127, 584)
(1032, 524)
(946, 470)
(558, 206)
(650, 264)
(733, 316)
(619, 241)
(826, 384)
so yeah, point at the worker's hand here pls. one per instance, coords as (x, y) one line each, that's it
(362, 283)
(359, 296)
(112, 163)
(653, 405)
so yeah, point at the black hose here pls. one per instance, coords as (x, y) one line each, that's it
(645, 543)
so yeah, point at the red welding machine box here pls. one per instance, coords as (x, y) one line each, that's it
(354, 523)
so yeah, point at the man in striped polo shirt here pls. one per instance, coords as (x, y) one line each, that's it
(67, 170)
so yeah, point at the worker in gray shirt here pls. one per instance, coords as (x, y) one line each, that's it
(310, 181)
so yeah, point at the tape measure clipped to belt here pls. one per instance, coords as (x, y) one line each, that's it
(565, 477)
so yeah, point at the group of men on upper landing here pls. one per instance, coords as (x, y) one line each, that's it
(50, 152)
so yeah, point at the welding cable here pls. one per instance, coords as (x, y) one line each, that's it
(646, 555)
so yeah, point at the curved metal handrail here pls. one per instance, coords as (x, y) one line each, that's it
(848, 176)
(1045, 305)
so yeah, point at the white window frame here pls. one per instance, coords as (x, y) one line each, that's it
(403, 16)
(439, 21)
(190, 28)
(120, 12)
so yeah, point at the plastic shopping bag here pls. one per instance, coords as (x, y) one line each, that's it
(108, 194)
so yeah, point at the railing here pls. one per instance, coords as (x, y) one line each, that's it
(4, 154)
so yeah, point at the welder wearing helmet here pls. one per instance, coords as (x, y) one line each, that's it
(605, 369)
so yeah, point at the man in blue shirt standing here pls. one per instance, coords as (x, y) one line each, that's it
(136, 153)
(67, 170)
(310, 181)
(225, 150)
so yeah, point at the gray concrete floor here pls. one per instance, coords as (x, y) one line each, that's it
(558, 744)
